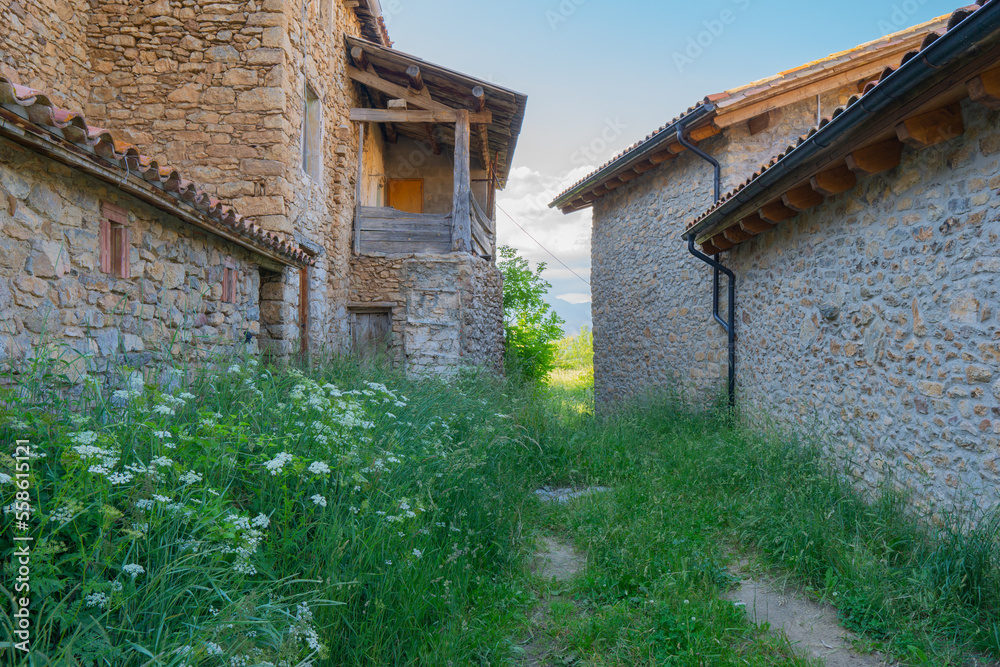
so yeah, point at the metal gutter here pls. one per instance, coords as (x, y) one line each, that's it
(955, 43)
(652, 145)
(729, 324)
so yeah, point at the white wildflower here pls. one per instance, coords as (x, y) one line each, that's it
(164, 410)
(5, 478)
(213, 649)
(97, 600)
(187, 396)
(278, 463)
(319, 500)
(133, 570)
(319, 468)
(418, 553)
(120, 478)
(261, 521)
(162, 434)
(83, 437)
(190, 477)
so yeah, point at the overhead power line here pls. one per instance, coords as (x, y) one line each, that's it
(542, 247)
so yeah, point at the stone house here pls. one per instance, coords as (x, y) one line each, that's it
(253, 100)
(856, 271)
(117, 257)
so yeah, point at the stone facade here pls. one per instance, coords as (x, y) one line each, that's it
(874, 318)
(446, 310)
(652, 301)
(241, 98)
(53, 291)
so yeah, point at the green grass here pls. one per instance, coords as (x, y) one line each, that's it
(411, 549)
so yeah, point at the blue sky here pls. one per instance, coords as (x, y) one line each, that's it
(602, 74)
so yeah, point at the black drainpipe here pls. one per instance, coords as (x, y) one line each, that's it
(729, 324)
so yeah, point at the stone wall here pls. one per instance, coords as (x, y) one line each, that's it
(52, 289)
(874, 317)
(448, 308)
(652, 301)
(43, 44)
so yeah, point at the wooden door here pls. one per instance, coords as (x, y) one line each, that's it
(407, 195)
(370, 331)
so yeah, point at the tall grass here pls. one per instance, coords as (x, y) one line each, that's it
(251, 515)
(695, 491)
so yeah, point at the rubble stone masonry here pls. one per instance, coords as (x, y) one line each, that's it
(874, 317)
(652, 307)
(52, 289)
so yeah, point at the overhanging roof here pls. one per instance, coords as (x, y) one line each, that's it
(916, 104)
(442, 86)
(752, 100)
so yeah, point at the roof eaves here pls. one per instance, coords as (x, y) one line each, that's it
(35, 111)
(936, 51)
(634, 153)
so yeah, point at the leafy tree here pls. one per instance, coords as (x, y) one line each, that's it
(531, 326)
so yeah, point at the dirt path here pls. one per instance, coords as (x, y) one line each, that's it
(811, 628)
(555, 560)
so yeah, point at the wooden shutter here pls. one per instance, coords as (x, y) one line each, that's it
(125, 253)
(105, 245)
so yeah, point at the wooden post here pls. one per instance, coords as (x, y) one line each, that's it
(357, 195)
(304, 310)
(461, 230)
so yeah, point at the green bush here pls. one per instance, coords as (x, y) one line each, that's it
(531, 328)
(576, 352)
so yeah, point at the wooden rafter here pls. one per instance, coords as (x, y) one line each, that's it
(755, 224)
(876, 158)
(415, 78)
(985, 89)
(737, 235)
(431, 139)
(373, 80)
(776, 212)
(721, 242)
(801, 198)
(932, 128)
(834, 181)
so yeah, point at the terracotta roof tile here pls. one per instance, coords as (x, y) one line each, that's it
(42, 112)
(957, 17)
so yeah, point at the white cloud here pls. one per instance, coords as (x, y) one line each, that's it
(574, 298)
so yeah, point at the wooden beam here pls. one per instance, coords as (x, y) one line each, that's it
(758, 124)
(737, 235)
(985, 89)
(431, 139)
(876, 158)
(480, 96)
(933, 127)
(644, 166)
(461, 206)
(755, 224)
(802, 198)
(601, 190)
(833, 181)
(704, 132)
(415, 77)
(721, 242)
(709, 249)
(357, 194)
(662, 156)
(627, 176)
(776, 212)
(416, 116)
(360, 58)
(483, 131)
(374, 81)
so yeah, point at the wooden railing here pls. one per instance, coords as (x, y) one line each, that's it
(386, 230)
